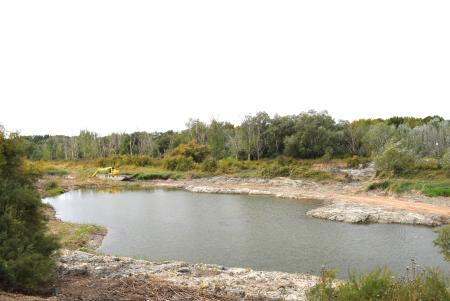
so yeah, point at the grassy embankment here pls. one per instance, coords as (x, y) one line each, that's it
(432, 183)
(427, 181)
(74, 236)
(155, 169)
(71, 236)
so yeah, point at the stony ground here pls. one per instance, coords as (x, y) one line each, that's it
(88, 277)
(208, 278)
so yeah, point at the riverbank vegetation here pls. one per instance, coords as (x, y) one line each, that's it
(410, 154)
(26, 248)
(382, 285)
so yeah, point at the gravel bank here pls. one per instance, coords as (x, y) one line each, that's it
(215, 279)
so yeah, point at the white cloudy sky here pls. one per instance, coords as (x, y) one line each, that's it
(150, 65)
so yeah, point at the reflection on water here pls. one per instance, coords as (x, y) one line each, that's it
(264, 233)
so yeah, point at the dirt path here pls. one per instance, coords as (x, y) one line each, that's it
(398, 203)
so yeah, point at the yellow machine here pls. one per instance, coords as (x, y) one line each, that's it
(106, 171)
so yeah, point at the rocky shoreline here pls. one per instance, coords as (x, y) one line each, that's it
(214, 279)
(341, 200)
(242, 283)
(363, 214)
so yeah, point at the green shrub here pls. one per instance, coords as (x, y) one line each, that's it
(55, 172)
(198, 152)
(382, 285)
(193, 174)
(118, 160)
(381, 185)
(230, 166)
(284, 160)
(273, 170)
(51, 185)
(394, 162)
(178, 163)
(428, 188)
(356, 162)
(305, 172)
(445, 161)
(434, 190)
(427, 164)
(209, 165)
(25, 247)
(157, 176)
(328, 154)
(443, 241)
(325, 289)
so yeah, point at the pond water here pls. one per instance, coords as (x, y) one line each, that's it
(260, 232)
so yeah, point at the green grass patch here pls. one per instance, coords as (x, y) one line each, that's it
(381, 284)
(158, 175)
(55, 172)
(74, 236)
(431, 188)
(52, 188)
(442, 189)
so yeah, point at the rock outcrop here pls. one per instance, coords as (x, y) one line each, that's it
(212, 278)
(350, 212)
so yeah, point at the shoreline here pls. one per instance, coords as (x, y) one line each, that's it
(212, 279)
(234, 282)
(343, 202)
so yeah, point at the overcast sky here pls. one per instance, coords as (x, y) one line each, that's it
(112, 66)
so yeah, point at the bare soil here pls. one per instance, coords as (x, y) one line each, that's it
(85, 288)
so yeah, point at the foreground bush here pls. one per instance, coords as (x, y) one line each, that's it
(443, 241)
(382, 285)
(25, 248)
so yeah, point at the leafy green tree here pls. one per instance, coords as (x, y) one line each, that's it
(313, 135)
(280, 127)
(376, 137)
(217, 139)
(193, 150)
(25, 249)
(88, 144)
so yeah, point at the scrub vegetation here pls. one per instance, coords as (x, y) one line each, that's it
(410, 154)
(382, 285)
(27, 249)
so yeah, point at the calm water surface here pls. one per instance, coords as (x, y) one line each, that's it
(260, 232)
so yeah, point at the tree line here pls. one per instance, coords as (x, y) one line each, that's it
(306, 135)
